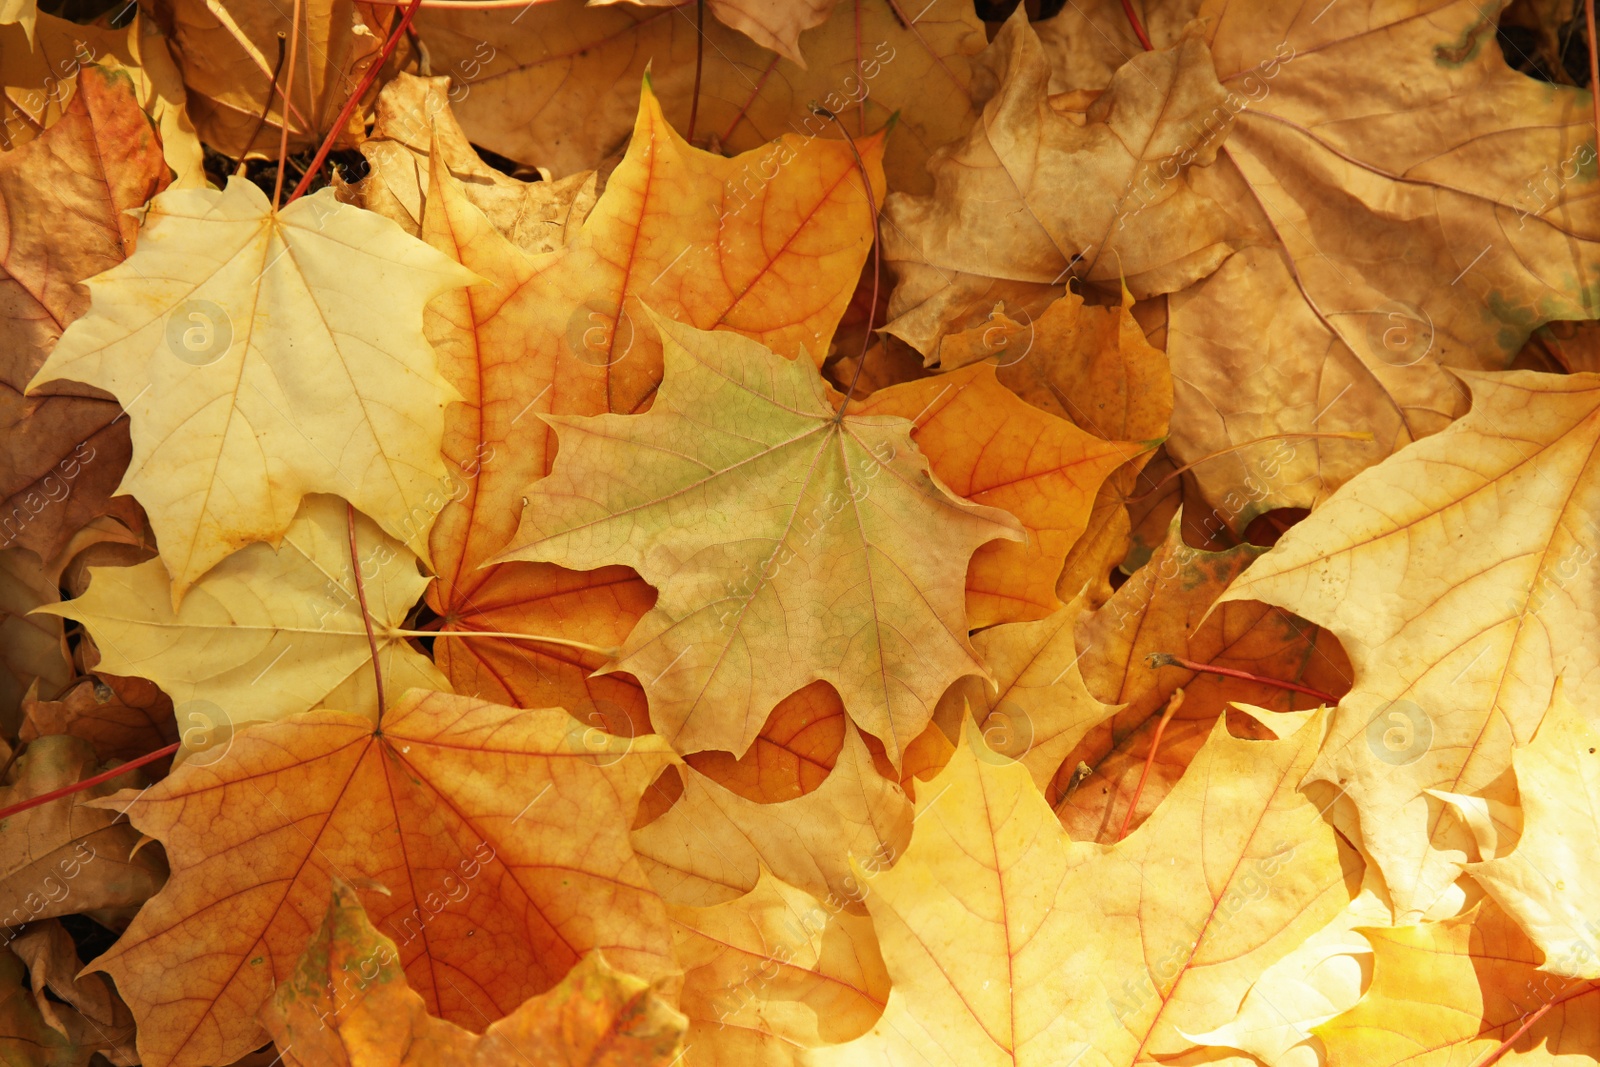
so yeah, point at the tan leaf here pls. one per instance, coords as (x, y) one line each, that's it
(1387, 230)
(64, 857)
(1538, 884)
(553, 84)
(1456, 576)
(1032, 197)
(1009, 944)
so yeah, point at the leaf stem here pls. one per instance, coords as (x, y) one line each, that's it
(361, 594)
(274, 90)
(355, 98)
(1594, 66)
(1164, 659)
(609, 653)
(88, 783)
(1138, 27)
(1534, 1017)
(288, 94)
(1173, 704)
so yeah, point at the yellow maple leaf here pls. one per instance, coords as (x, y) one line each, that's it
(1008, 944)
(256, 365)
(1456, 576)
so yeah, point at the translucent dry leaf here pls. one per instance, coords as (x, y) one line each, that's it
(262, 356)
(1540, 883)
(992, 448)
(789, 545)
(1165, 607)
(1458, 577)
(1451, 992)
(455, 807)
(1009, 944)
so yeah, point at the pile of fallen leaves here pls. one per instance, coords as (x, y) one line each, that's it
(813, 533)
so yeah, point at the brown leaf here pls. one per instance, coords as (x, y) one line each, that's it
(63, 198)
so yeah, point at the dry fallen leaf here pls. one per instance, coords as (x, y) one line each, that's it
(992, 448)
(773, 973)
(713, 844)
(1454, 575)
(1450, 992)
(1383, 234)
(1022, 204)
(72, 184)
(217, 337)
(1009, 944)
(66, 856)
(552, 84)
(742, 490)
(427, 805)
(568, 333)
(348, 1003)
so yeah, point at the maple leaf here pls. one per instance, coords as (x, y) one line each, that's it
(296, 606)
(1165, 609)
(120, 725)
(774, 972)
(1094, 367)
(1386, 230)
(1452, 991)
(454, 806)
(993, 448)
(871, 60)
(713, 843)
(982, 921)
(740, 468)
(85, 1009)
(65, 856)
(1558, 777)
(348, 1003)
(566, 333)
(63, 196)
(255, 370)
(1453, 575)
(1020, 204)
